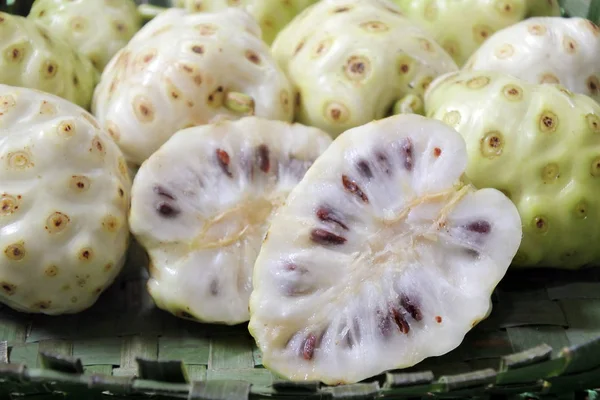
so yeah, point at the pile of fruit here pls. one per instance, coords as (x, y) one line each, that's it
(350, 178)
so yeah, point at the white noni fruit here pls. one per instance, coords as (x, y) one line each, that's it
(538, 143)
(97, 29)
(272, 15)
(33, 57)
(182, 70)
(461, 26)
(546, 50)
(381, 256)
(201, 206)
(64, 190)
(352, 61)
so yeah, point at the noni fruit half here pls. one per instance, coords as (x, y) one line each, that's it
(381, 257)
(33, 57)
(201, 206)
(539, 144)
(352, 61)
(271, 15)
(546, 50)
(461, 26)
(96, 28)
(65, 192)
(182, 70)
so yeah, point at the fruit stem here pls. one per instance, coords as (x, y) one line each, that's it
(409, 104)
(240, 103)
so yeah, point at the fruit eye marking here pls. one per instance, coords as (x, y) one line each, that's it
(161, 191)
(437, 152)
(308, 347)
(328, 215)
(412, 309)
(324, 237)
(353, 188)
(223, 159)
(364, 169)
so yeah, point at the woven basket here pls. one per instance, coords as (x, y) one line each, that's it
(541, 341)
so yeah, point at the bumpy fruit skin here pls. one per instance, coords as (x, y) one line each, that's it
(461, 26)
(545, 50)
(539, 144)
(272, 15)
(33, 57)
(95, 28)
(351, 61)
(182, 70)
(65, 192)
(201, 206)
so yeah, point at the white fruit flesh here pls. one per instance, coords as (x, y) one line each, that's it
(381, 256)
(201, 205)
(182, 70)
(65, 195)
(545, 50)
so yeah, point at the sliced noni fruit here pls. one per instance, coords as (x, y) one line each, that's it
(538, 143)
(546, 50)
(184, 69)
(201, 206)
(64, 196)
(381, 256)
(352, 61)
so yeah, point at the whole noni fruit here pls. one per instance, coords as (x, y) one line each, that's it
(271, 15)
(546, 50)
(64, 190)
(182, 70)
(96, 28)
(35, 58)
(461, 26)
(539, 144)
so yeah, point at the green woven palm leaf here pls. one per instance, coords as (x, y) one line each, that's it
(542, 341)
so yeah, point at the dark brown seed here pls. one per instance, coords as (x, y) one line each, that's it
(223, 159)
(327, 215)
(400, 321)
(324, 237)
(479, 227)
(166, 210)
(353, 188)
(438, 319)
(308, 347)
(214, 287)
(407, 154)
(412, 309)
(198, 49)
(384, 163)
(161, 191)
(262, 158)
(364, 169)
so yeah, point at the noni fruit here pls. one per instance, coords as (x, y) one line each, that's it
(96, 28)
(382, 255)
(352, 61)
(182, 70)
(546, 50)
(461, 26)
(272, 15)
(539, 144)
(64, 195)
(35, 58)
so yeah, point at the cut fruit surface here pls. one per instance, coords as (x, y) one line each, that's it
(381, 257)
(201, 206)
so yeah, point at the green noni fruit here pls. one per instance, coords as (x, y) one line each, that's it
(271, 15)
(35, 58)
(540, 145)
(96, 28)
(461, 26)
(353, 61)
